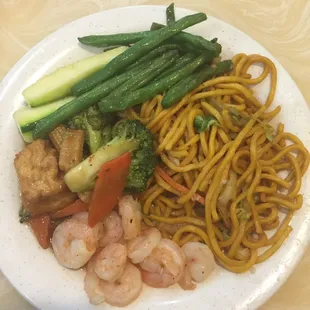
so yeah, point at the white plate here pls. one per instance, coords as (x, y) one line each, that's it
(35, 272)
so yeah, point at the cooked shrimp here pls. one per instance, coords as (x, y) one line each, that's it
(81, 217)
(164, 266)
(199, 262)
(130, 211)
(74, 242)
(112, 229)
(110, 262)
(92, 283)
(124, 290)
(142, 246)
(186, 281)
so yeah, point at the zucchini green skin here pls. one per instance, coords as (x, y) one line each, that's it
(58, 84)
(135, 52)
(26, 117)
(122, 103)
(185, 86)
(170, 15)
(82, 176)
(79, 104)
(145, 76)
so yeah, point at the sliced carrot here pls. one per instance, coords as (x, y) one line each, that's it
(76, 207)
(41, 226)
(109, 187)
(180, 188)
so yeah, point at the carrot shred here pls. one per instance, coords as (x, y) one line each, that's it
(76, 207)
(109, 188)
(180, 188)
(41, 227)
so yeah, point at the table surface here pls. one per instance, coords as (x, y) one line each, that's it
(282, 26)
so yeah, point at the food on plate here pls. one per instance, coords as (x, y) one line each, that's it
(59, 83)
(43, 189)
(164, 266)
(161, 164)
(74, 242)
(199, 263)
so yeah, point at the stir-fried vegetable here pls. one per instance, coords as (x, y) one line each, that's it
(57, 136)
(58, 84)
(109, 187)
(143, 159)
(27, 117)
(41, 227)
(156, 87)
(24, 215)
(182, 61)
(147, 75)
(203, 123)
(189, 83)
(193, 41)
(154, 54)
(75, 207)
(136, 51)
(71, 150)
(95, 125)
(128, 136)
(170, 15)
(71, 109)
(177, 186)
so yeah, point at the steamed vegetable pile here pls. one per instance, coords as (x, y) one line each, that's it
(87, 96)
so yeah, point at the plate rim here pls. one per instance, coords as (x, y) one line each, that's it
(31, 53)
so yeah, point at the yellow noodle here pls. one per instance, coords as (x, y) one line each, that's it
(285, 202)
(233, 249)
(214, 113)
(193, 229)
(178, 220)
(200, 164)
(275, 246)
(212, 142)
(251, 202)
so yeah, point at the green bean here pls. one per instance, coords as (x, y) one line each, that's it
(195, 41)
(114, 39)
(191, 42)
(182, 61)
(188, 84)
(154, 53)
(170, 15)
(81, 103)
(139, 96)
(105, 40)
(147, 74)
(135, 52)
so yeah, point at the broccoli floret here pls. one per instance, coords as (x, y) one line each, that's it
(97, 127)
(127, 136)
(106, 134)
(143, 159)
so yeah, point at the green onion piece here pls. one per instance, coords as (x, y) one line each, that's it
(203, 123)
